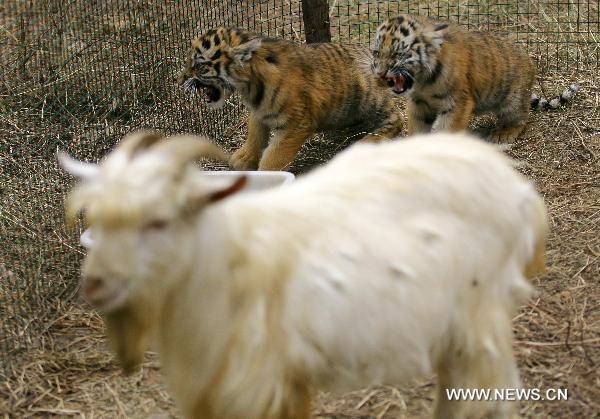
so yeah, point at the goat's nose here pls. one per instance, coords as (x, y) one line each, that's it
(92, 286)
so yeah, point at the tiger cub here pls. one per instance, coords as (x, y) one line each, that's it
(450, 74)
(293, 90)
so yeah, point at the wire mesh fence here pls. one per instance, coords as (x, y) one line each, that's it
(561, 35)
(80, 74)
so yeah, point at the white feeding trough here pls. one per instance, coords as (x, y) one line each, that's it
(255, 181)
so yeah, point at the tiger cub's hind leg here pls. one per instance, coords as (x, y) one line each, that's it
(283, 148)
(511, 120)
(505, 134)
(391, 127)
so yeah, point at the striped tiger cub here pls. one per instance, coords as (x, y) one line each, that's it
(290, 90)
(450, 74)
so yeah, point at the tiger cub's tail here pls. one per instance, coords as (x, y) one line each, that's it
(542, 103)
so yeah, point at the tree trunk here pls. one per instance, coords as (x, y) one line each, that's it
(315, 14)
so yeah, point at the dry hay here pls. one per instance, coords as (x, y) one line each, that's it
(557, 333)
(68, 370)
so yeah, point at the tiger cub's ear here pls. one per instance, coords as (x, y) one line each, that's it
(437, 34)
(243, 52)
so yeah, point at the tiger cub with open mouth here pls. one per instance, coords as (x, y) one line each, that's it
(450, 74)
(289, 89)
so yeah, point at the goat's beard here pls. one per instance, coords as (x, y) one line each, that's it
(129, 332)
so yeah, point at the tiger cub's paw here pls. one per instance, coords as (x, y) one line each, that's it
(242, 159)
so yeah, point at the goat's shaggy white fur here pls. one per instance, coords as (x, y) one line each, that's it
(393, 261)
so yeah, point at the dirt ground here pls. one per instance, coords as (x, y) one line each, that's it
(557, 334)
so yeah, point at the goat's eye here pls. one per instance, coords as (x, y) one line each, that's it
(375, 53)
(156, 225)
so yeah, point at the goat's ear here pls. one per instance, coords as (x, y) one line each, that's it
(217, 193)
(77, 168)
(243, 52)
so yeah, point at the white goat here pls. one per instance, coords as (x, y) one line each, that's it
(393, 261)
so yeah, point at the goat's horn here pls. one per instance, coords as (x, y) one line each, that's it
(136, 141)
(185, 148)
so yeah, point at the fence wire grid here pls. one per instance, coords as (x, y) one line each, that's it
(78, 75)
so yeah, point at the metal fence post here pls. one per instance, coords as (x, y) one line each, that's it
(315, 14)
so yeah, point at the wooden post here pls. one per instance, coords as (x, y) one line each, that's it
(315, 14)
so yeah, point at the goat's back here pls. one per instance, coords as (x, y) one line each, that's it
(392, 246)
(367, 270)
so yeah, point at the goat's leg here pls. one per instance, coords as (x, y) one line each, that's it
(299, 407)
(482, 360)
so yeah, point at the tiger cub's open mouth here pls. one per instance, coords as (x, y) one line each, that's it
(211, 93)
(400, 83)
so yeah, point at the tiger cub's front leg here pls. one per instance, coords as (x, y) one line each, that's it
(454, 117)
(420, 117)
(248, 155)
(283, 148)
